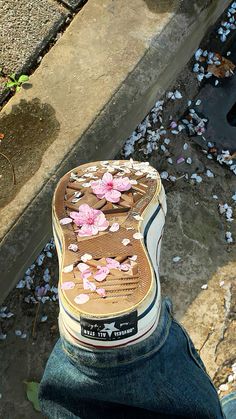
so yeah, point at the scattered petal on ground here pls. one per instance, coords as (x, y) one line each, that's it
(176, 259)
(125, 242)
(204, 286)
(43, 319)
(223, 387)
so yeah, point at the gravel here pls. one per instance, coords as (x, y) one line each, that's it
(26, 26)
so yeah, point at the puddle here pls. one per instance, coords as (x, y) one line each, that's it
(29, 130)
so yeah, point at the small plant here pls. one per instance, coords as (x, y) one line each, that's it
(17, 83)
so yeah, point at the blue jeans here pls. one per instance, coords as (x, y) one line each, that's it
(159, 377)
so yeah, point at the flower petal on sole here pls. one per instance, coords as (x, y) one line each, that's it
(138, 236)
(73, 247)
(81, 299)
(65, 221)
(86, 257)
(101, 274)
(68, 285)
(114, 227)
(68, 268)
(125, 242)
(83, 267)
(101, 292)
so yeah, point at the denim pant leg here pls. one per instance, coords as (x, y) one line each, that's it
(160, 377)
(229, 405)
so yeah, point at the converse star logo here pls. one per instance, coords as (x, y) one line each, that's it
(115, 328)
(109, 328)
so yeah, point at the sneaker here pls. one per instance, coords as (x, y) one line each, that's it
(108, 220)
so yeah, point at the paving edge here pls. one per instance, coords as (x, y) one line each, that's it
(102, 140)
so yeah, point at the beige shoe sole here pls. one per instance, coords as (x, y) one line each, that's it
(140, 210)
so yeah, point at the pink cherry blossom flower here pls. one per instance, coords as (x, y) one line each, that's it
(101, 273)
(112, 263)
(90, 220)
(110, 187)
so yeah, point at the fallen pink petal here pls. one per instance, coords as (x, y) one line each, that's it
(68, 269)
(138, 236)
(65, 221)
(133, 258)
(68, 285)
(73, 247)
(86, 257)
(86, 274)
(88, 285)
(101, 273)
(124, 267)
(180, 160)
(81, 299)
(125, 242)
(83, 267)
(112, 263)
(114, 227)
(101, 292)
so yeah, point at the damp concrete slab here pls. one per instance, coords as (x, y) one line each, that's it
(88, 94)
(26, 27)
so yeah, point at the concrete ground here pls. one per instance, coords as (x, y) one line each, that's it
(195, 231)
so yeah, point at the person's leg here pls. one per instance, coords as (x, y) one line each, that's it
(162, 375)
(229, 405)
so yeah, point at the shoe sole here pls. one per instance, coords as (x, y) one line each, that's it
(136, 291)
